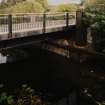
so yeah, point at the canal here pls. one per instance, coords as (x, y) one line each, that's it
(59, 79)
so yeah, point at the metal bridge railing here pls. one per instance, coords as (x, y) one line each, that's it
(4, 23)
(55, 20)
(34, 21)
(26, 22)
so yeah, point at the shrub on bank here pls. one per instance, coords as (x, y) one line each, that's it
(23, 7)
(27, 7)
(94, 18)
(66, 7)
(23, 95)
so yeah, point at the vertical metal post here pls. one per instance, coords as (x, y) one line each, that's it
(44, 22)
(10, 26)
(79, 36)
(67, 19)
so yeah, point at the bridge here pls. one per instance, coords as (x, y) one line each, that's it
(18, 28)
(24, 29)
(22, 25)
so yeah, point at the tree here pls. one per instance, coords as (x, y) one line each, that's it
(83, 2)
(44, 3)
(9, 3)
(94, 17)
(27, 7)
(66, 7)
(21, 6)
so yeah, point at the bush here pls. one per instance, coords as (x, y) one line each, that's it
(24, 7)
(27, 7)
(66, 7)
(94, 18)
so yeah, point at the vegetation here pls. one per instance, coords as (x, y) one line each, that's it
(43, 3)
(27, 7)
(23, 6)
(8, 3)
(64, 8)
(23, 95)
(94, 18)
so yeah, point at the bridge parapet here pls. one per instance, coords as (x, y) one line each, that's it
(20, 25)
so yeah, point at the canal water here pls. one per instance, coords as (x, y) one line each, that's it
(54, 76)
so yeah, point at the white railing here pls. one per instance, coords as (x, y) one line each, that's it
(34, 21)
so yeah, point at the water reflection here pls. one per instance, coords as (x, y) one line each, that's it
(3, 58)
(12, 56)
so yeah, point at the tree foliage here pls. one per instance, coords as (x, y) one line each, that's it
(89, 2)
(8, 3)
(66, 7)
(44, 3)
(94, 18)
(27, 7)
(23, 6)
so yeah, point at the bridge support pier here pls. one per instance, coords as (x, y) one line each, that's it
(81, 34)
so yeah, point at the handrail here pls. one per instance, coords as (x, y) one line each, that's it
(23, 21)
(38, 13)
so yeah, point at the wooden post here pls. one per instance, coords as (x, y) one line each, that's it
(67, 19)
(10, 26)
(44, 22)
(79, 34)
